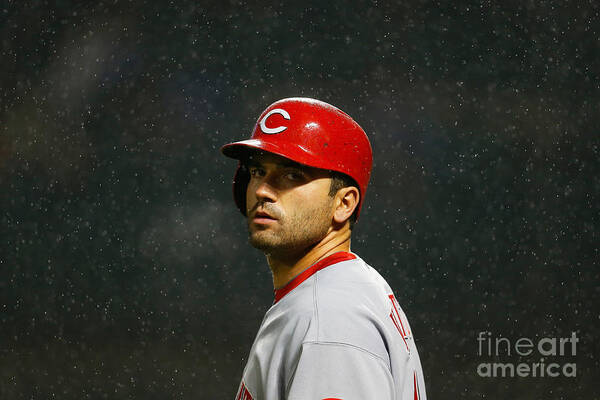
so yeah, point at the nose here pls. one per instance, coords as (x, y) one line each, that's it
(265, 192)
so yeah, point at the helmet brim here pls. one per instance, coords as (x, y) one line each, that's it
(243, 149)
(240, 150)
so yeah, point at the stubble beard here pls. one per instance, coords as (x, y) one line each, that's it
(294, 234)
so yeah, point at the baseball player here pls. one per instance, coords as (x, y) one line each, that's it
(335, 329)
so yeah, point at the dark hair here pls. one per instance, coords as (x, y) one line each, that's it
(339, 181)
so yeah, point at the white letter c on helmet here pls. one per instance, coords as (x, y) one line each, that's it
(271, 131)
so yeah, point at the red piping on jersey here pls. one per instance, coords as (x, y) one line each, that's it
(307, 273)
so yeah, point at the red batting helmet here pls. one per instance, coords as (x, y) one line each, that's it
(309, 132)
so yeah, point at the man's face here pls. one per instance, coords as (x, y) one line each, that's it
(288, 205)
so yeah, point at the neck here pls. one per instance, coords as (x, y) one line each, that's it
(284, 268)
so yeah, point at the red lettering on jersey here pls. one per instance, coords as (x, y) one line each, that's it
(396, 307)
(243, 394)
(416, 387)
(393, 317)
(397, 320)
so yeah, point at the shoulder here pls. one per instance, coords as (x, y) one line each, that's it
(350, 286)
(333, 287)
(350, 307)
(345, 303)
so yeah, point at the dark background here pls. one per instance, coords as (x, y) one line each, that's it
(125, 271)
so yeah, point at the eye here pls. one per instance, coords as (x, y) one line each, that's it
(294, 176)
(256, 171)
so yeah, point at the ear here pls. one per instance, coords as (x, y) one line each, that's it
(346, 201)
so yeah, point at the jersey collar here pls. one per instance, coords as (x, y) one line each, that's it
(307, 273)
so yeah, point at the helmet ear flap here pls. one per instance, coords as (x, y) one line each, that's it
(240, 185)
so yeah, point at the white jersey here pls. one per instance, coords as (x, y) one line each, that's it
(334, 332)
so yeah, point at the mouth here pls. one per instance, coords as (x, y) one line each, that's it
(262, 218)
